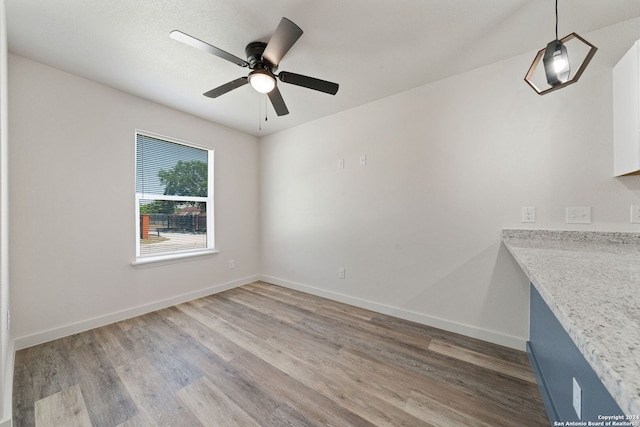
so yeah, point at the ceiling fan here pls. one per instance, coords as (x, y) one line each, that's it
(263, 60)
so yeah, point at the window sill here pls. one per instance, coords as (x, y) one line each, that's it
(153, 261)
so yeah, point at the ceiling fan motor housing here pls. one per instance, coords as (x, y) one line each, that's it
(254, 51)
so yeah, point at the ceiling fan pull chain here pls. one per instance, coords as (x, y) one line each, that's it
(259, 115)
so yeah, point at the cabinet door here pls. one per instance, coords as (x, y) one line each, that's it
(626, 113)
(556, 361)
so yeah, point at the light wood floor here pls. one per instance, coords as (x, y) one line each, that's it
(262, 355)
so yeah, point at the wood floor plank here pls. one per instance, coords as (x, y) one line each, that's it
(65, 408)
(310, 302)
(23, 391)
(351, 395)
(259, 403)
(271, 308)
(141, 419)
(278, 293)
(403, 384)
(220, 345)
(107, 399)
(422, 363)
(415, 329)
(43, 370)
(213, 407)
(323, 356)
(51, 370)
(151, 392)
(116, 344)
(440, 414)
(318, 409)
(157, 341)
(507, 368)
(271, 356)
(386, 382)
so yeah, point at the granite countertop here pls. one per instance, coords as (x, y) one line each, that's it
(591, 282)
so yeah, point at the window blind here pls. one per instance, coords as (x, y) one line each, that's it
(156, 158)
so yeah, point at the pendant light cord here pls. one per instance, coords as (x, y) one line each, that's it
(556, 19)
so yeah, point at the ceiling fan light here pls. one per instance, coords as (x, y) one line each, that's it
(556, 63)
(262, 81)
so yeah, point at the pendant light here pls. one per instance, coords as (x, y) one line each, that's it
(558, 64)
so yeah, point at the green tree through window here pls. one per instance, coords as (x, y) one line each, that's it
(185, 179)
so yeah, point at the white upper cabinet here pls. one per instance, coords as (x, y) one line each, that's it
(626, 113)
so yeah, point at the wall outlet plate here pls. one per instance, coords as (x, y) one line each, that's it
(635, 214)
(577, 398)
(579, 215)
(529, 214)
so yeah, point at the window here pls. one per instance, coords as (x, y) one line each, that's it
(174, 198)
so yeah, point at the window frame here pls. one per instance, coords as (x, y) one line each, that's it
(209, 200)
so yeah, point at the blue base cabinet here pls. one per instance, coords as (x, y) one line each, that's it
(556, 361)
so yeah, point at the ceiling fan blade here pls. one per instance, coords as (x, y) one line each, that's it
(278, 103)
(309, 82)
(227, 87)
(281, 41)
(199, 44)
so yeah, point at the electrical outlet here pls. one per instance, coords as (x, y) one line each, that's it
(579, 215)
(577, 398)
(529, 214)
(341, 273)
(635, 214)
(363, 160)
(232, 264)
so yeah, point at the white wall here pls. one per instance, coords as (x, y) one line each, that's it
(72, 205)
(6, 349)
(449, 165)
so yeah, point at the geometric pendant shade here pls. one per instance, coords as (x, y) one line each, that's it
(542, 76)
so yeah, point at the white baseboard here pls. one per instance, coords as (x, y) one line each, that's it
(96, 322)
(495, 337)
(437, 322)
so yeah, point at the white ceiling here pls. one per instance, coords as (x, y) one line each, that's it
(373, 48)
